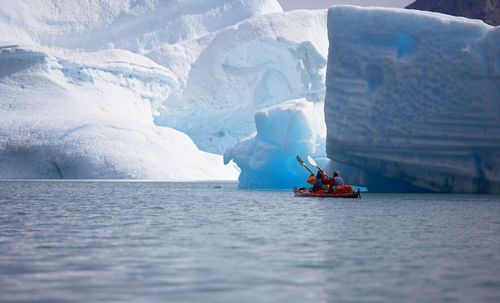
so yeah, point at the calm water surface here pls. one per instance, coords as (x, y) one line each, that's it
(65, 241)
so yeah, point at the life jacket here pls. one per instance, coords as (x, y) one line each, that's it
(312, 180)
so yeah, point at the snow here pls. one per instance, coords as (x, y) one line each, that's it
(228, 75)
(268, 158)
(144, 89)
(160, 89)
(127, 24)
(88, 115)
(414, 96)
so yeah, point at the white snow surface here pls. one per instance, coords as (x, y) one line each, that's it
(135, 25)
(268, 158)
(414, 97)
(228, 75)
(93, 89)
(88, 115)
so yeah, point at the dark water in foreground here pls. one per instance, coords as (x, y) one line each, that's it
(209, 242)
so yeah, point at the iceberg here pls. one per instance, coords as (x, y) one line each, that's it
(88, 115)
(146, 89)
(412, 98)
(137, 26)
(226, 76)
(267, 159)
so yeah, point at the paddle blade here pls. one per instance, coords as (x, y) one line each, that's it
(311, 160)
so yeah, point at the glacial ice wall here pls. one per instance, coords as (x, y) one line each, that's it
(415, 97)
(267, 159)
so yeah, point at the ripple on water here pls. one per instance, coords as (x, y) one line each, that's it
(152, 242)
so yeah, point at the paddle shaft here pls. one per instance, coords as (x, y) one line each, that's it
(303, 164)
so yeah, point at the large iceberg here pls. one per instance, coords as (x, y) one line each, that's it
(109, 89)
(228, 75)
(88, 115)
(414, 97)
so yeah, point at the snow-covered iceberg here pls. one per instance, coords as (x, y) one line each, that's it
(137, 26)
(415, 97)
(88, 115)
(268, 158)
(93, 89)
(228, 75)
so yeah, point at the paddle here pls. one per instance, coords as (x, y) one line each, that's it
(311, 160)
(303, 164)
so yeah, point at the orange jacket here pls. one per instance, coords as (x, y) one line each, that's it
(312, 179)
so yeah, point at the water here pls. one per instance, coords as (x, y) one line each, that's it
(209, 242)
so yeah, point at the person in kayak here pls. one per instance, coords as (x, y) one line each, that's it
(315, 181)
(333, 182)
(338, 179)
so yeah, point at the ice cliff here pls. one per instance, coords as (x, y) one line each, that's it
(414, 97)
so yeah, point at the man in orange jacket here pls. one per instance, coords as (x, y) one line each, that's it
(316, 181)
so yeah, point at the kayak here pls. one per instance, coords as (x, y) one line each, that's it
(340, 192)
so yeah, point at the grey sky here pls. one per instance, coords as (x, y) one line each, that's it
(314, 4)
